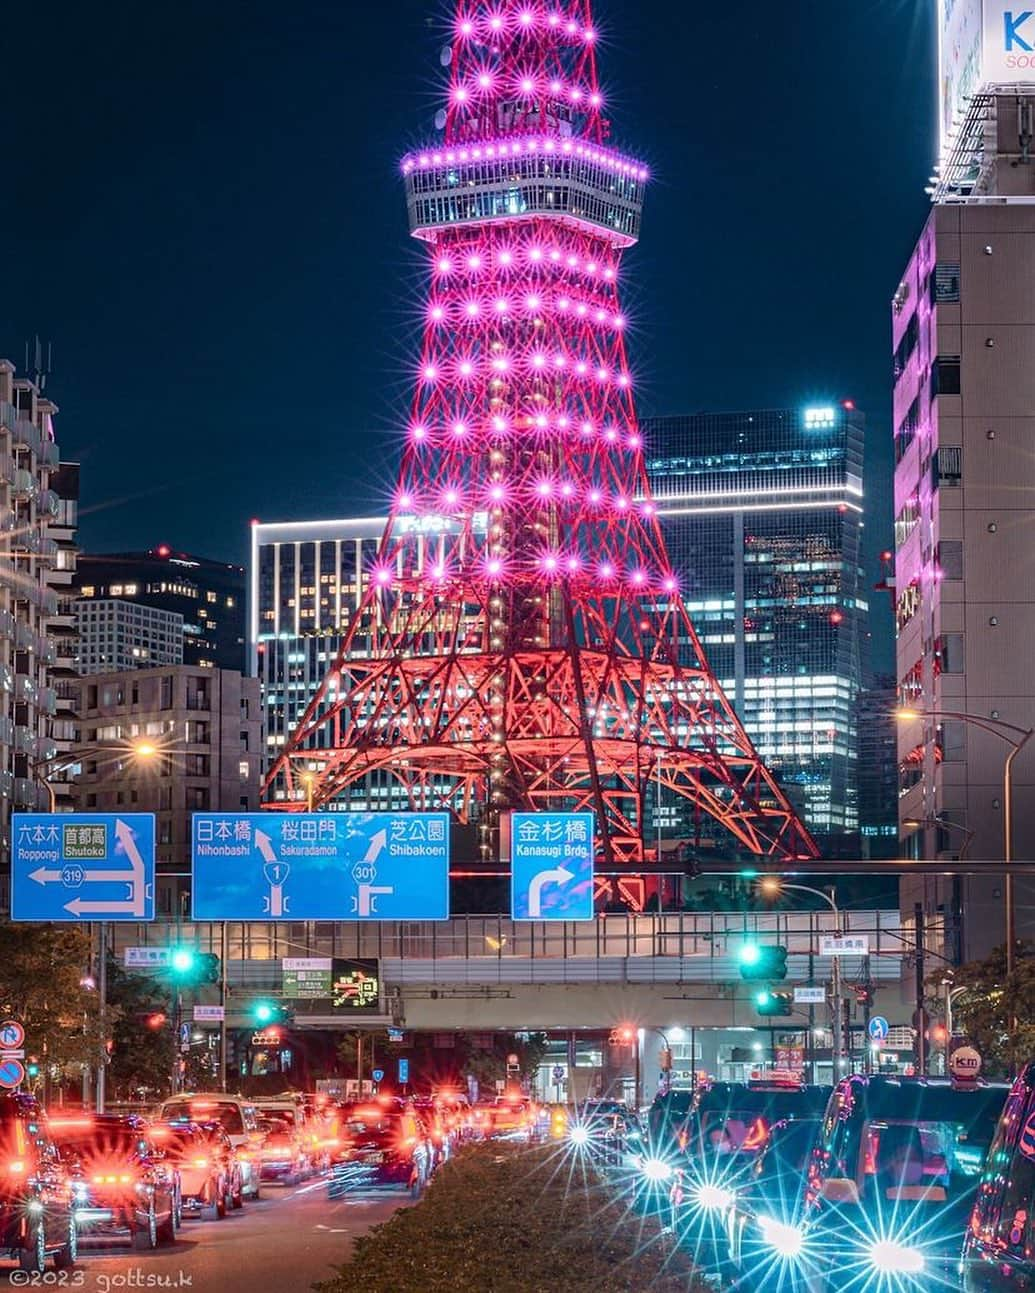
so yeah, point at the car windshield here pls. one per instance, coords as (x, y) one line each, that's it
(287, 1116)
(788, 1149)
(229, 1115)
(375, 1124)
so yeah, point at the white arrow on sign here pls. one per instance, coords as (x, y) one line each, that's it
(137, 887)
(83, 907)
(559, 875)
(377, 843)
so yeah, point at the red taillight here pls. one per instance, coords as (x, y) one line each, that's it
(114, 1178)
(201, 1162)
(16, 1167)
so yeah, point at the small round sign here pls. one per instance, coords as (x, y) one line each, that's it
(12, 1073)
(965, 1064)
(12, 1034)
(378, 1075)
(878, 1028)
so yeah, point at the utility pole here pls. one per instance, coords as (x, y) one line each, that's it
(921, 1032)
(222, 1002)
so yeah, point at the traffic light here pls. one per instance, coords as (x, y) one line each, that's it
(768, 1002)
(762, 961)
(32, 1067)
(189, 966)
(183, 962)
(265, 1012)
(156, 1020)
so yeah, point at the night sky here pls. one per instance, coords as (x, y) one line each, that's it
(202, 211)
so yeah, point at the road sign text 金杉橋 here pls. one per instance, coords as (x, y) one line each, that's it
(320, 866)
(551, 860)
(82, 866)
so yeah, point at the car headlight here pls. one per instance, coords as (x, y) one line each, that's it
(893, 1258)
(656, 1169)
(578, 1136)
(713, 1197)
(781, 1238)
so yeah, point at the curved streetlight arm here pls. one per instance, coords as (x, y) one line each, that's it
(994, 726)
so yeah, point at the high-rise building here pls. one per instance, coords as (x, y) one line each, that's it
(63, 628)
(964, 420)
(206, 725)
(115, 635)
(305, 581)
(37, 527)
(877, 768)
(209, 595)
(762, 513)
(536, 663)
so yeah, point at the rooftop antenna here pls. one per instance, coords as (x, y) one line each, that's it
(37, 369)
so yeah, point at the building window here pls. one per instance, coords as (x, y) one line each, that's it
(949, 653)
(950, 558)
(945, 375)
(948, 465)
(244, 769)
(945, 283)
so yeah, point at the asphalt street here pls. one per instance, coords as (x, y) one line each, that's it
(281, 1243)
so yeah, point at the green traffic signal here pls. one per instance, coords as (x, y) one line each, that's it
(768, 1002)
(182, 961)
(762, 961)
(32, 1069)
(263, 1012)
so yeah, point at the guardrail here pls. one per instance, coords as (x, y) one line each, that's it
(658, 948)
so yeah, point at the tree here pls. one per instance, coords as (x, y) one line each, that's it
(490, 1066)
(44, 985)
(143, 1046)
(995, 1012)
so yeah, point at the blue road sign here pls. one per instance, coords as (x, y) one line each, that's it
(878, 1028)
(377, 1074)
(404, 1071)
(320, 866)
(551, 869)
(83, 866)
(12, 1073)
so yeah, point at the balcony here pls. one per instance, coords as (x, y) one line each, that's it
(23, 483)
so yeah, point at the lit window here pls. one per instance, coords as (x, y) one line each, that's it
(87, 590)
(115, 590)
(210, 597)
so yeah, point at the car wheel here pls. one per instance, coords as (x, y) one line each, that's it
(178, 1225)
(415, 1185)
(166, 1232)
(66, 1255)
(145, 1237)
(218, 1202)
(237, 1197)
(34, 1258)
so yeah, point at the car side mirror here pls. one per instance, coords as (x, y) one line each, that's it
(839, 1189)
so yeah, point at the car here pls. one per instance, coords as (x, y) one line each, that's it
(210, 1176)
(435, 1128)
(610, 1132)
(483, 1115)
(37, 1200)
(238, 1118)
(999, 1245)
(385, 1146)
(764, 1215)
(893, 1179)
(291, 1111)
(122, 1181)
(283, 1156)
(455, 1112)
(513, 1116)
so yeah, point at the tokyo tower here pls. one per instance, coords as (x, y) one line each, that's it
(522, 642)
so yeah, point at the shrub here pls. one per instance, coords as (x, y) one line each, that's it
(504, 1221)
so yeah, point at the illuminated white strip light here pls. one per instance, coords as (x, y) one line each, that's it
(848, 487)
(756, 507)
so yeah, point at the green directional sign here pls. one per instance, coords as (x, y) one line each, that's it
(307, 977)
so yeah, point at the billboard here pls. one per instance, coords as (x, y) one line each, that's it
(320, 866)
(73, 867)
(551, 866)
(980, 43)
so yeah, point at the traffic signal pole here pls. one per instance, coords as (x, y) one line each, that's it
(102, 1013)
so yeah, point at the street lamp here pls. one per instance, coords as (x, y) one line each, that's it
(772, 886)
(1016, 738)
(308, 779)
(69, 758)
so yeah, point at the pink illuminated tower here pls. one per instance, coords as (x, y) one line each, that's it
(522, 642)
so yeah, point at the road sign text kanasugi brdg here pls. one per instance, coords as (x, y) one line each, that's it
(551, 866)
(320, 866)
(82, 866)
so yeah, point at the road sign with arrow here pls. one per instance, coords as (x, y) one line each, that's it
(320, 866)
(551, 866)
(83, 866)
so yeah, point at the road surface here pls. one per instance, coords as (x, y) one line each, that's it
(282, 1243)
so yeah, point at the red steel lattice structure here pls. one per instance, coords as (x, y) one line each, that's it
(522, 641)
